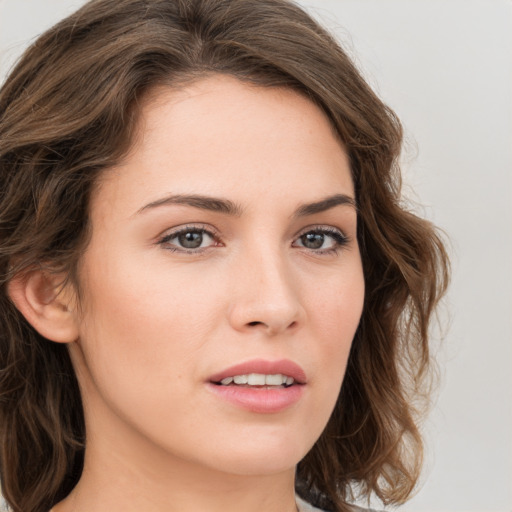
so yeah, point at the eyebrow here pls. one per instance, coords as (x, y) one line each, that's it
(198, 201)
(325, 204)
(228, 207)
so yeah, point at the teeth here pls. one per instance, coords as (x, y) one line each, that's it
(275, 380)
(256, 379)
(259, 379)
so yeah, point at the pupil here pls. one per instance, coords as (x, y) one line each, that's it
(313, 240)
(191, 239)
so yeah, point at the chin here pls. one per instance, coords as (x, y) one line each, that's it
(262, 456)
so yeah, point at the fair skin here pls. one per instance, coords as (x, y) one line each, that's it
(177, 289)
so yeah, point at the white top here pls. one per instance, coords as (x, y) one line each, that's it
(306, 507)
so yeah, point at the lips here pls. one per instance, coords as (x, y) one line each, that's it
(260, 366)
(259, 399)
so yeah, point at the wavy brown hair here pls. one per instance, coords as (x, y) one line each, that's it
(68, 112)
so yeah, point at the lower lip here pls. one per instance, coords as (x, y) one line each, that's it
(259, 400)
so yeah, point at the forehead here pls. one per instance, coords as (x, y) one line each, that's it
(221, 135)
(237, 100)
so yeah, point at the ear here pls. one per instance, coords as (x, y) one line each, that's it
(47, 304)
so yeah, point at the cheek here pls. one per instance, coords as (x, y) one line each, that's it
(334, 314)
(336, 303)
(337, 312)
(143, 321)
(141, 339)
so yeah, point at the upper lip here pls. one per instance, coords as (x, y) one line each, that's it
(282, 366)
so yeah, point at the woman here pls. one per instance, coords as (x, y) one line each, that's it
(212, 297)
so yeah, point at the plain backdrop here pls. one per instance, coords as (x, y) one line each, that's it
(445, 66)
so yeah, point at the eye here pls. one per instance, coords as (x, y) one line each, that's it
(189, 239)
(322, 240)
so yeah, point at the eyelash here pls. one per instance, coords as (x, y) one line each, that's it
(339, 238)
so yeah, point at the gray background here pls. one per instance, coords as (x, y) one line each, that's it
(445, 66)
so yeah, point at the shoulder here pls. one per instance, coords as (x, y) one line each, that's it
(306, 507)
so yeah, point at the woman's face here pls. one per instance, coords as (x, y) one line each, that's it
(224, 245)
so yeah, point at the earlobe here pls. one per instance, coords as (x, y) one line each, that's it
(46, 305)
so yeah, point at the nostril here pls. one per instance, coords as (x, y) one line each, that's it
(268, 326)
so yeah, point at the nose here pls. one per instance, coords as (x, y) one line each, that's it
(265, 296)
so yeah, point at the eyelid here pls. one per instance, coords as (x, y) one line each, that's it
(322, 228)
(319, 227)
(340, 238)
(337, 234)
(171, 233)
